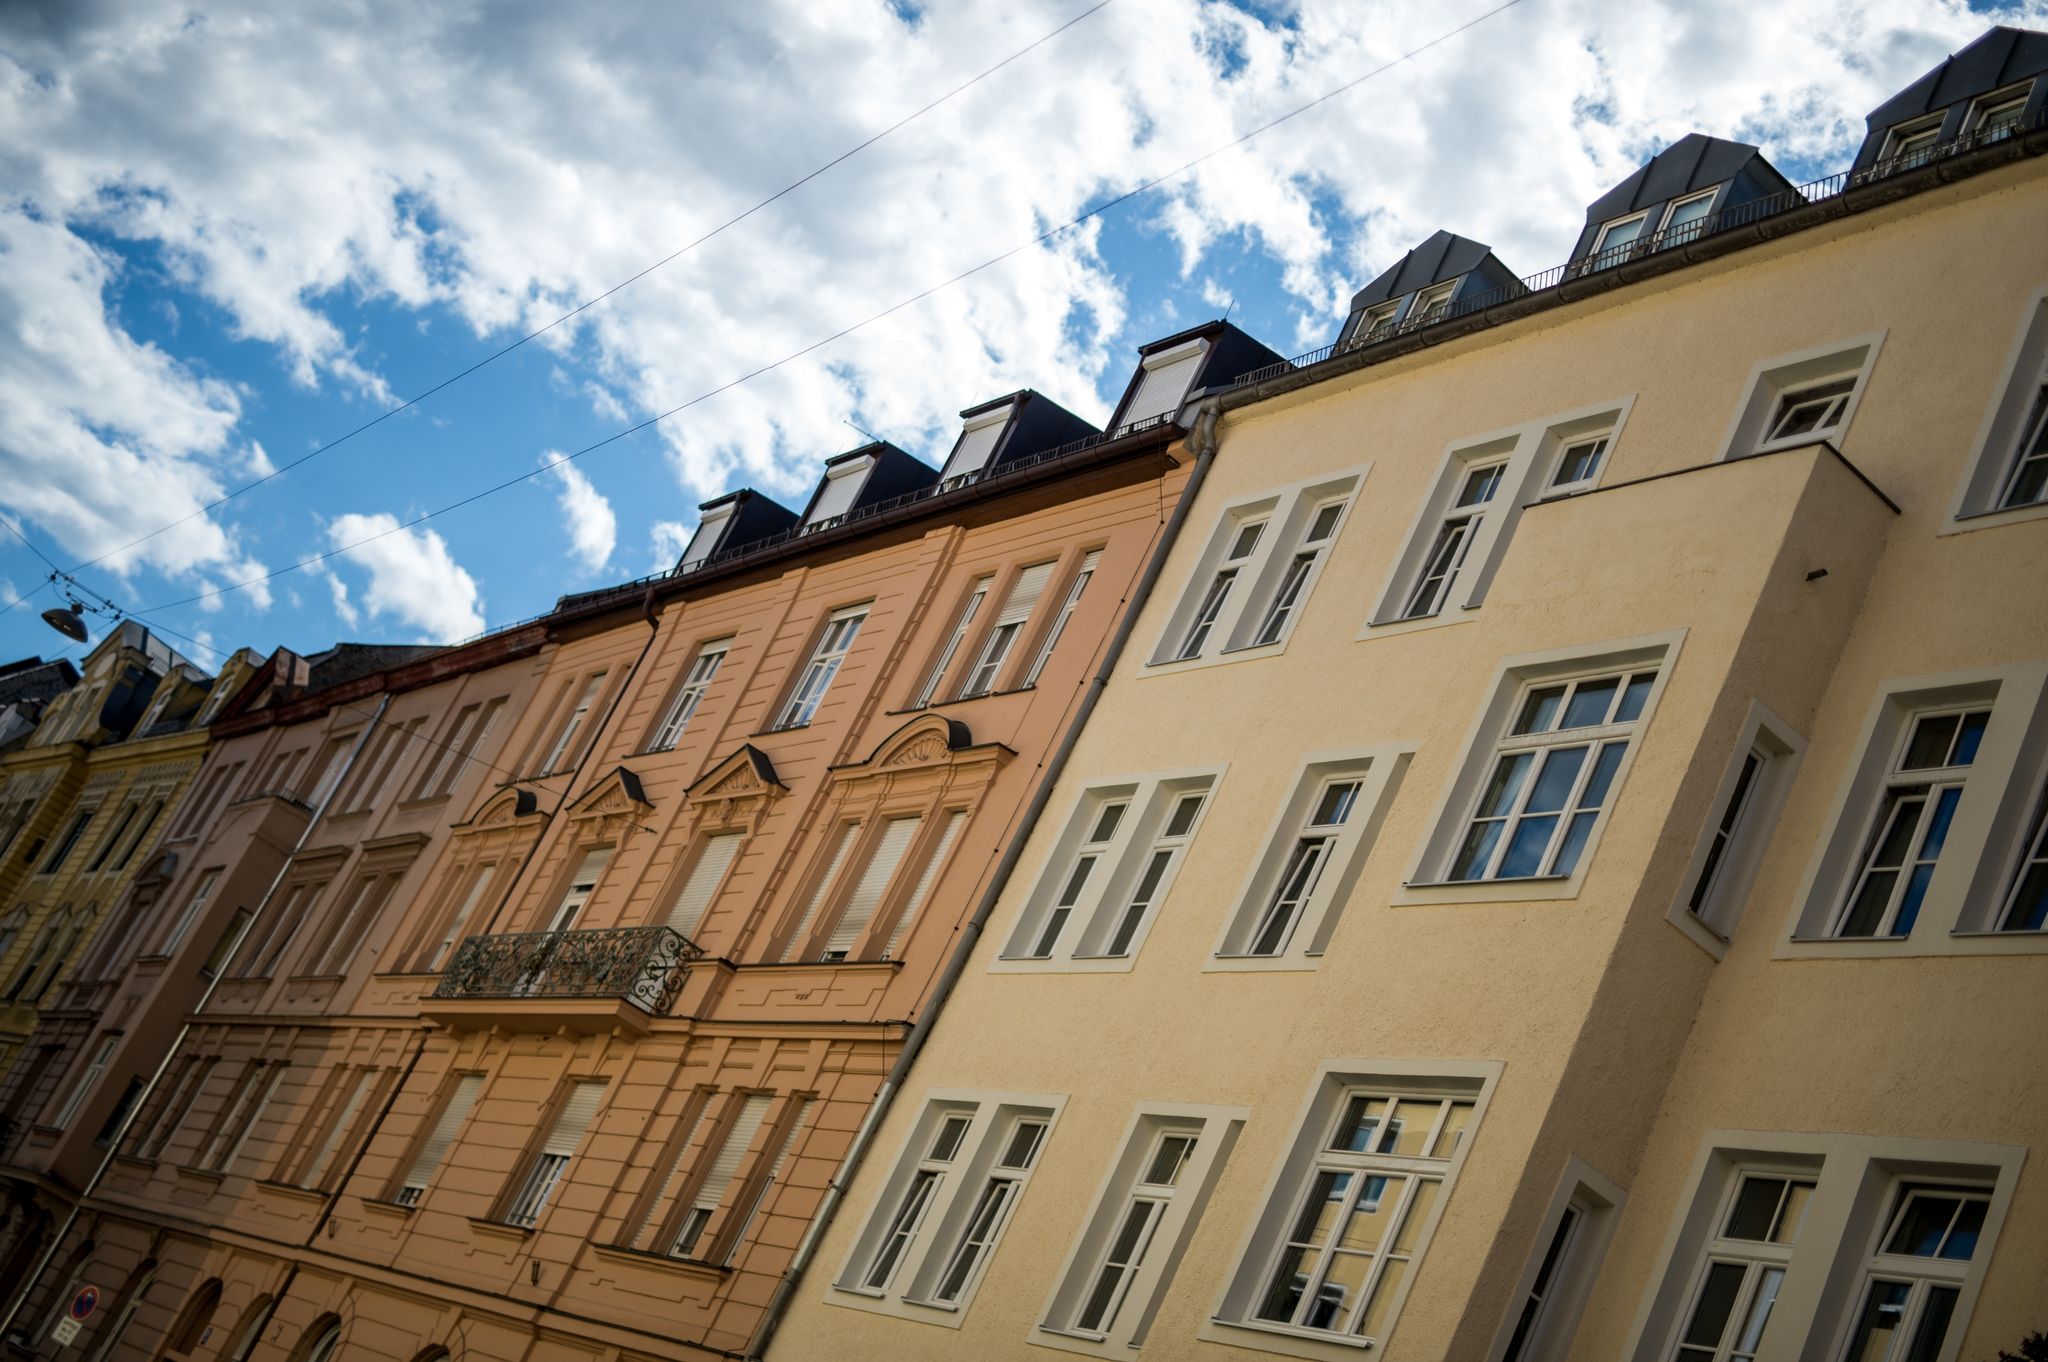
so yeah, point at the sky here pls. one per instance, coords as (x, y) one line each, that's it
(234, 234)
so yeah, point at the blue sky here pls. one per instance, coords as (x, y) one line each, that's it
(229, 236)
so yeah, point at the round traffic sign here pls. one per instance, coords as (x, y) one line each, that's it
(85, 1302)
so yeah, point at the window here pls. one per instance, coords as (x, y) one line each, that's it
(102, 1055)
(1432, 302)
(1257, 570)
(2008, 469)
(1936, 822)
(957, 1181)
(251, 1092)
(1469, 516)
(933, 864)
(337, 1122)
(739, 1137)
(1916, 1276)
(1009, 623)
(1803, 398)
(479, 884)
(142, 831)
(1912, 144)
(1124, 1257)
(822, 888)
(1082, 576)
(551, 1160)
(1995, 117)
(841, 627)
(457, 747)
(1163, 382)
(1294, 582)
(434, 1148)
(696, 681)
(322, 1345)
(224, 944)
(875, 877)
(576, 893)
(1685, 219)
(387, 752)
(68, 842)
(792, 1128)
(325, 773)
(978, 440)
(349, 922)
(1349, 1217)
(1744, 807)
(2025, 908)
(561, 752)
(1847, 1247)
(1332, 806)
(1378, 320)
(1569, 1245)
(264, 950)
(174, 1099)
(1244, 538)
(1910, 825)
(1094, 847)
(113, 836)
(975, 596)
(1158, 867)
(1554, 774)
(707, 874)
(182, 923)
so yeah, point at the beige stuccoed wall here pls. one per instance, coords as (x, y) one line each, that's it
(1622, 1041)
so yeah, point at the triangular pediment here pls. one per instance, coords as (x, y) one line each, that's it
(747, 771)
(617, 793)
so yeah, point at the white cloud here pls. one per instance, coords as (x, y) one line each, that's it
(498, 172)
(593, 529)
(668, 539)
(411, 577)
(256, 461)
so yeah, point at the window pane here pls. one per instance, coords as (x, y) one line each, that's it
(1525, 852)
(1969, 738)
(948, 1142)
(1962, 1239)
(1590, 703)
(1383, 1298)
(1933, 1326)
(1759, 1313)
(1539, 710)
(1756, 1209)
(1023, 1147)
(1883, 1308)
(1633, 698)
(1106, 821)
(1505, 785)
(1183, 816)
(1362, 1116)
(1169, 1159)
(1373, 1216)
(1717, 1301)
(1560, 772)
(1339, 1289)
(1930, 743)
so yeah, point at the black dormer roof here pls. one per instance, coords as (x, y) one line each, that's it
(1035, 423)
(734, 521)
(1693, 163)
(1999, 58)
(890, 472)
(1444, 256)
(1227, 354)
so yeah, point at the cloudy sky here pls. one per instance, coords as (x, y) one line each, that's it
(232, 233)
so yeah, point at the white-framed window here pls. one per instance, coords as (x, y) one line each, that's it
(1802, 398)
(1544, 768)
(1569, 1245)
(562, 750)
(1913, 142)
(1350, 1211)
(457, 747)
(1843, 1246)
(957, 1181)
(1432, 302)
(976, 594)
(1378, 320)
(1005, 629)
(551, 1161)
(1616, 236)
(1745, 807)
(1554, 773)
(440, 1138)
(1123, 1259)
(835, 640)
(1166, 376)
(1935, 822)
(1313, 851)
(690, 694)
(576, 893)
(1110, 872)
(1075, 589)
(1465, 523)
(102, 1055)
(1685, 218)
(1996, 116)
(2007, 475)
(1257, 570)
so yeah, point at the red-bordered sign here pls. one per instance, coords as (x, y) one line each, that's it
(85, 1302)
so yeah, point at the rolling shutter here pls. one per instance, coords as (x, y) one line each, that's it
(574, 1118)
(874, 881)
(1163, 387)
(824, 889)
(915, 903)
(705, 877)
(737, 1139)
(436, 1147)
(1024, 594)
(976, 444)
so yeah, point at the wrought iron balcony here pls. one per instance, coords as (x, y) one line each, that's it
(643, 966)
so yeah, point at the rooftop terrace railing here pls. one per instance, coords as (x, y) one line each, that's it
(1728, 219)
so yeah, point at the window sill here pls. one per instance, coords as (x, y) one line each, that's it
(1292, 963)
(1284, 1338)
(1529, 889)
(1965, 942)
(422, 802)
(1442, 619)
(1221, 657)
(786, 728)
(682, 1267)
(499, 1229)
(205, 1175)
(1969, 521)
(291, 1191)
(383, 1206)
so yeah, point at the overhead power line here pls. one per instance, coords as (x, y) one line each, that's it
(634, 429)
(587, 304)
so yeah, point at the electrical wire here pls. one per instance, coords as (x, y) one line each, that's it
(585, 306)
(1125, 197)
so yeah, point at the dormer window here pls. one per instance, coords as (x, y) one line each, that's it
(1378, 320)
(1912, 144)
(1997, 115)
(710, 529)
(1615, 238)
(1167, 377)
(1431, 302)
(978, 439)
(842, 484)
(1685, 219)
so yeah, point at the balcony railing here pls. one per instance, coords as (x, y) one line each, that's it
(643, 966)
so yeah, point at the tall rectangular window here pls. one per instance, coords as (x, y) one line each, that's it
(338, 1130)
(690, 694)
(989, 1213)
(913, 904)
(1909, 826)
(102, 1055)
(1744, 1269)
(706, 876)
(1156, 871)
(1453, 540)
(270, 938)
(1080, 868)
(975, 597)
(725, 1165)
(140, 837)
(379, 765)
(68, 842)
(823, 889)
(1915, 1278)
(875, 879)
(1738, 825)
(2025, 906)
(1243, 540)
(1301, 568)
(576, 893)
(792, 1128)
(1006, 628)
(1563, 1264)
(349, 923)
(188, 913)
(1082, 576)
(446, 762)
(551, 1161)
(113, 837)
(252, 1090)
(465, 912)
(434, 1148)
(562, 750)
(834, 643)
(326, 771)
(153, 1130)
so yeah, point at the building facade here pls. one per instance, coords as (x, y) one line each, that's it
(1559, 872)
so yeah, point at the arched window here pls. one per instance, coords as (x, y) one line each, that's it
(131, 1301)
(195, 1317)
(248, 1329)
(321, 1341)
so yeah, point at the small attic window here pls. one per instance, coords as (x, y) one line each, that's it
(710, 530)
(977, 441)
(1911, 144)
(1378, 320)
(1167, 376)
(842, 484)
(1685, 219)
(1611, 246)
(1996, 116)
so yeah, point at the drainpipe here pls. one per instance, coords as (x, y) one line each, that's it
(185, 1028)
(1202, 439)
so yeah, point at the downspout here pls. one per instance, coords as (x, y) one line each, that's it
(1202, 440)
(185, 1028)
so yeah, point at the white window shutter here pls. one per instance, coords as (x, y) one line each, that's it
(915, 903)
(452, 1116)
(840, 490)
(874, 881)
(737, 1139)
(705, 877)
(977, 442)
(823, 891)
(1163, 388)
(574, 1118)
(1024, 594)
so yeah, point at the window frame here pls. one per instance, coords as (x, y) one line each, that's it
(1529, 454)
(1598, 1203)
(800, 705)
(1772, 380)
(688, 695)
(1746, 841)
(2017, 410)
